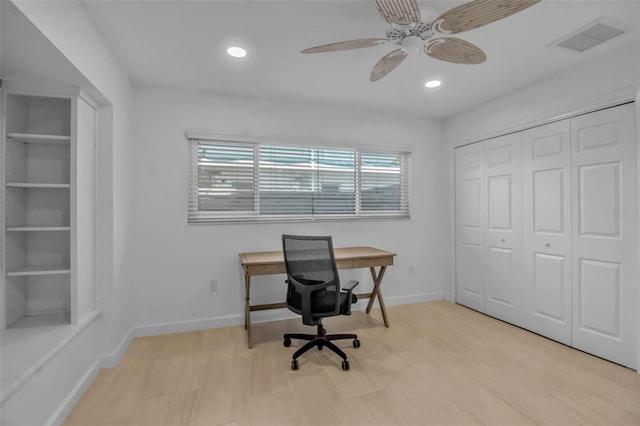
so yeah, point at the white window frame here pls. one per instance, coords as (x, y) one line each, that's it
(195, 216)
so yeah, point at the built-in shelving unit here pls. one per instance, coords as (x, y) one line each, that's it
(48, 206)
(38, 167)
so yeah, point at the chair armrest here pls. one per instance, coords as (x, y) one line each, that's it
(348, 288)
(350, 285)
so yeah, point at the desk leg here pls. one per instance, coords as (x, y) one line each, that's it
(247, 307)
(377, 280)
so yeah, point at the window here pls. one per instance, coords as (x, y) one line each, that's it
(231, 180)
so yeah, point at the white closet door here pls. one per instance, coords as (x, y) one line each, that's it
(469, 232)
(503, 225)
(547, 230)
(605, 218)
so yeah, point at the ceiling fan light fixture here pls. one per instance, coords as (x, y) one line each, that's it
(412, 43)
(431, 84)
(236, 52)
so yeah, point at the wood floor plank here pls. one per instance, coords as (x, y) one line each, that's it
(438, 364)
(165, 410)
(318, 398)
(376, 408)
(223, 399)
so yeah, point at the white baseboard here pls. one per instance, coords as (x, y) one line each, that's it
(186, 325)
(113, 359)
(58, 417)
(413, 298)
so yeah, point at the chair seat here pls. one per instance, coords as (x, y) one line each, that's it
(324, 301)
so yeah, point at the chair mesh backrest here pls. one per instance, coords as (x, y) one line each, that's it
(310, 259)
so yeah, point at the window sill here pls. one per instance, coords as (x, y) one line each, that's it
(25, 350)
(289, 219)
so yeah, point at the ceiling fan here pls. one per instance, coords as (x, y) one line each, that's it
(407, 30)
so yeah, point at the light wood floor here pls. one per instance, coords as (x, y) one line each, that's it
(438, 364)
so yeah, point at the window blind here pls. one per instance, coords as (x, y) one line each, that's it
(254, 181)
(224, 180)
(286, 180)
(384, 186)
(336, 182)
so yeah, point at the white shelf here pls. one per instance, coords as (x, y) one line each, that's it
(42, 320)
(37, 228)
(39, 139)
(38, 185)
(39, 270)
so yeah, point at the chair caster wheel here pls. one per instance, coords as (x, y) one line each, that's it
(287, 342)
(320, 347)
(294, 364)
(356, 343)
(345, 364)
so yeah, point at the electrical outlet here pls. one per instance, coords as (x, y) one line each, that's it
(213, 285)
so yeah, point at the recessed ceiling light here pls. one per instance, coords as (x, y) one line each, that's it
(237, 52)
(433, 83)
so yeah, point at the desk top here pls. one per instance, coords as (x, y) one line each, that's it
(341, 253)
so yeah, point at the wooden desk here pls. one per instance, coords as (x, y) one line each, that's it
(272, 262)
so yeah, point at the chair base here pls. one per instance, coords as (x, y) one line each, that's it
(320, 340)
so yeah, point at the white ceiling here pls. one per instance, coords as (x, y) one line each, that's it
(181, 44)
(28, 55)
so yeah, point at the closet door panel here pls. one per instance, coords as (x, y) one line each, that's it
(503, 227)
(605, 234)
(547, 230)
(550, 286)
(549, 201)
(469, 232)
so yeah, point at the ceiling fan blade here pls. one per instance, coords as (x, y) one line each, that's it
(477, 13)
(455, 50)
(387, 64)
(399, 11)
(346, 45)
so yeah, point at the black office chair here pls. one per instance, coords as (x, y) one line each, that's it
(314, 292)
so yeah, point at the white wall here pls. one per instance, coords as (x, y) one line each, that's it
(608, 79)
(174, 261)
(69, 28)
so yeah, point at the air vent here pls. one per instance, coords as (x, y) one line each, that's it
(590, 35)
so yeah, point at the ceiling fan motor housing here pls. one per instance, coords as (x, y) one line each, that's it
(398, 33)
